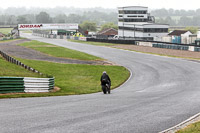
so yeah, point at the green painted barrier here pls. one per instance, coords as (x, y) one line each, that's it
(196, 49)
(11, 84)
(20, 84)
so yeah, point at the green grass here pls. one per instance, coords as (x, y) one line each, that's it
(75, 79)
(193, 128)
(11, 70)
(93, 43)
(5, 30)
(57, 51)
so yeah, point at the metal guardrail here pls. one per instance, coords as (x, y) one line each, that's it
(170, 46)
(11, 85)
(25, 84)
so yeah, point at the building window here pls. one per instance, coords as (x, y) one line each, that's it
(131, 29)
(121, 12)
(132, 12)
(135, 20)
(121, 20)
(155, 30)
(131, 16)
(145, 30)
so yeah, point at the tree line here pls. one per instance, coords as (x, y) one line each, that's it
(13, 16)
(100, 16)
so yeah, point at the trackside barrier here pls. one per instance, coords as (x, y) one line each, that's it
(25, 84)
(60, 37)
(11, 85)
(197, 49)
(8, 38)
(170, 46)
(19, 84)
(150, 43)
(132, 42)
(38, 84)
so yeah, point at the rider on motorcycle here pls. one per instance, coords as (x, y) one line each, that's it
(105, 80)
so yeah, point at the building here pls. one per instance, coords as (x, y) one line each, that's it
(182, 36)
(2, 35)
(136, 22)
(106, 33)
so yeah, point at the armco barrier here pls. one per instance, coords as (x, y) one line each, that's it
(11, 85)
(20, 84)
(132, 42)
(197, 49)
(170, 46)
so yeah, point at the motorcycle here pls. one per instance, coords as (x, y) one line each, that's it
(105, 88)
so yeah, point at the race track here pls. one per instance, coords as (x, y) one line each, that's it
(161, 93)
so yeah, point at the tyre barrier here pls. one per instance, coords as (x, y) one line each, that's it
(170, 46)
(25, 84)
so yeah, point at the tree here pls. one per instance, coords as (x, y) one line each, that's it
(73, 18)
(192, 29)
(170, 21)
(21, 20)
(88, 26)
(171, 12)
(160, 20)
(60, 18)
(12, 20)
(43, 17)
(185, 21)
(109, 25)
(196, 21)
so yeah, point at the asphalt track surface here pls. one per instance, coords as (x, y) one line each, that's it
(161, 93)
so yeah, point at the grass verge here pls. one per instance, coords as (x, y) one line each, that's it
(74, 79)
(5, 30)
(8, 69)
(57, 51)
(193, 128)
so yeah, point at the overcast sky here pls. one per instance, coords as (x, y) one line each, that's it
(152, 4)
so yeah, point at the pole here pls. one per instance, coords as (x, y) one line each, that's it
(134, 30)
(123, 22)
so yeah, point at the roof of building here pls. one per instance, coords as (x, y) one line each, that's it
(144, 23)
(108, 31)
(1, 34)
(177, 32)
(133, 7)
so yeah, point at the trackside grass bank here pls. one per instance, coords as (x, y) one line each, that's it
(193, 128)
(75, 79)
(11, 70)
(57, 51)
(5, 30)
